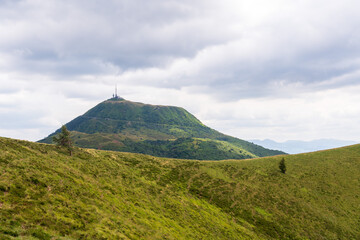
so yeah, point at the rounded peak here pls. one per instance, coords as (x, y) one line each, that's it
(135, 104)
(116, 99)
(121, 110)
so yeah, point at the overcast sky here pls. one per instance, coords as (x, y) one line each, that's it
(253, 69)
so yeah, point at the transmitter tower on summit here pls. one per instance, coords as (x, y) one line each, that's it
(115, 94)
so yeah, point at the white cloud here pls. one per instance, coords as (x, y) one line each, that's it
(328, 114)
(255, 69)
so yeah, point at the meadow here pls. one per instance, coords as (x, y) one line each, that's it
(95, 194)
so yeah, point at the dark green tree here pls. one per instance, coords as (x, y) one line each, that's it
(63, 140)
(282, 165)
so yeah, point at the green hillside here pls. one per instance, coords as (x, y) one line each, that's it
(164, 131)
(46, 194)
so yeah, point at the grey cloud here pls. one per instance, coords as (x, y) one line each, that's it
(66, 39)
(129, 34)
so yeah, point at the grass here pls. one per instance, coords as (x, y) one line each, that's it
(46, 194)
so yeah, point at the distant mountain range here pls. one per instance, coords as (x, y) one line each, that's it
(164, 131)
(296, 146)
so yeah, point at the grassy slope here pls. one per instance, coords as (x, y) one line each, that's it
(100, 194)
(122, 125)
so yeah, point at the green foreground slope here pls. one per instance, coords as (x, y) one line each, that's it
(46, 194)
(163, 131)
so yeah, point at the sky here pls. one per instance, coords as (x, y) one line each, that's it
(253, 69)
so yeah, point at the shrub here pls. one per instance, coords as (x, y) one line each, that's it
(282, 166)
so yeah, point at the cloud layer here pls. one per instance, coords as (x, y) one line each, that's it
(254, 69)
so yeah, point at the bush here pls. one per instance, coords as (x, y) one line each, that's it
(282, 166)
